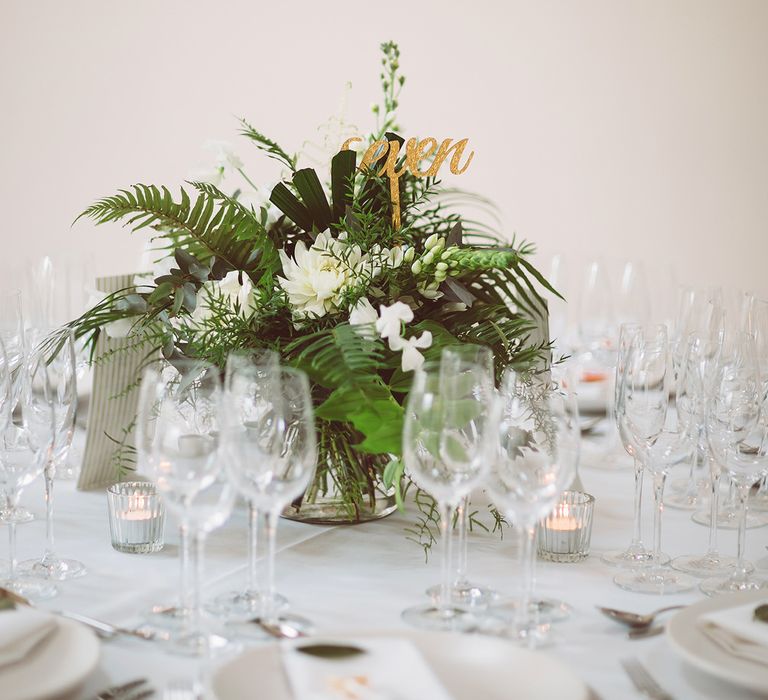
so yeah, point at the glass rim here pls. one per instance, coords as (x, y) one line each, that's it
(585, 499)
(117, 489)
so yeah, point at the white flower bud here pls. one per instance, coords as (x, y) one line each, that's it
(430, 241)
(409, 254)
(442, 266)
(416, 267)
(428, 258)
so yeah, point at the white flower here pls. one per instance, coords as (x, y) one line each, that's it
(395, 257)
(120, 328)
(316, 277)
(412, 358)
(154, 263)
(225, 161)
(391, 319)
(229, 289)
(362, 313)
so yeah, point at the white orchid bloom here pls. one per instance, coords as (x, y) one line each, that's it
(317, 276)
(229, 289)
(363, 313)
(225, 161)
(154, 263)
(391, 319)
(411, 359)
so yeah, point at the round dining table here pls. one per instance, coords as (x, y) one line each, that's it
(359, 578)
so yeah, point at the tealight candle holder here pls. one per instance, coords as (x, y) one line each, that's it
(565, 534)
(136, 517)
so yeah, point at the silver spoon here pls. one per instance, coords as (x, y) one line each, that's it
(635, 620)
(103, 629)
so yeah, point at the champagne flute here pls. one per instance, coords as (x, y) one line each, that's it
(24, 453)
(447, 443)
(185, 457)
(257, 373)
(636, 553)
(538, 449)
(12, 336)
(662, 440)
(463, 590)
(62, 373)
(269, 442)
(738, 437)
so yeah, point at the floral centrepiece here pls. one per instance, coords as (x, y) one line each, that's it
(320, 274)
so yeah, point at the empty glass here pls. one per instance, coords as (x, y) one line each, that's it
(23, 455)
(738, 436)
(636, 553)
(538, 450)
(463, 590)
(187, 468)
(661, 439)
(447, 446)
(62, 375)
(269, 443)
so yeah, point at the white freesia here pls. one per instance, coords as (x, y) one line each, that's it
(317, 276)
(391, 319)
(411, 359)
(363, 313)
(225, 161)
(121, 328)
(229, 289)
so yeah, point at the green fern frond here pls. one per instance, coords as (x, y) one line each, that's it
(206, 229)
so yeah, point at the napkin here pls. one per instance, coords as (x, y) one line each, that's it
(21, 630)
(390, 669)
(736, 631)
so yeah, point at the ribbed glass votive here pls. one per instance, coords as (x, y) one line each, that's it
(565, 534)
(136, 517)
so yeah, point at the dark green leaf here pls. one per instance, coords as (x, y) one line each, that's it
(287, 203)
(342, 171)
(308, 185)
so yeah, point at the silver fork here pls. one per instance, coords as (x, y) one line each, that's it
(133, 690)
(643, 680)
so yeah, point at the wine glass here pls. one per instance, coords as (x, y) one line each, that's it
(702, 315)
(24, 453)
(12, 337)
(463, 590)
(255, 373)
(694, 389)
(538, 449)
(738, 437)
(758, 328)
(185, 457)
(633, 303)
(636, 553)
(662, 439)
(447, 447)
(59, 355)
(269, 442)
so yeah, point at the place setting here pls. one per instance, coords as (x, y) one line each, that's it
(309, 422)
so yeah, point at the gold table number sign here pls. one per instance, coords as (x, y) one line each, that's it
(416, 150)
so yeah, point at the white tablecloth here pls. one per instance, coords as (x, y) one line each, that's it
(363, 576)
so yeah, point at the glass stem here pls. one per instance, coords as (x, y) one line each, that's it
(714, 510)
(270, 609)
(253, 548)
(49, 540)
(658, 493)
(637, 535)
(527, 562)
(446, 521)
(196, 545)
(184, 561)
(12, 549)
(461, 543)
(743, 494)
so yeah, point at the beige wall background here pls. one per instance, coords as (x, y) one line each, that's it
(602, 128)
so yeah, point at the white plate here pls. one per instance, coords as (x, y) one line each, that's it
(470, 667)
(694, 646)
(57, 666)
